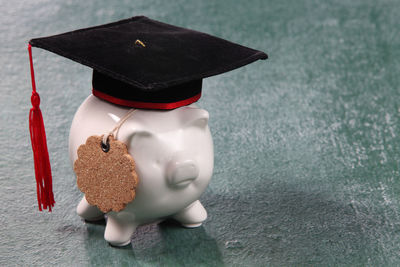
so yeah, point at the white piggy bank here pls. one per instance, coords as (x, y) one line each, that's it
(173, 153)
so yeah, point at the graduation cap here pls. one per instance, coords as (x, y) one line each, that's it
(139, 63)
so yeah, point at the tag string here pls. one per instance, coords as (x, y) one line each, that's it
(114, 131)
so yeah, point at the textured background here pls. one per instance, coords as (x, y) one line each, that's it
(306, 143)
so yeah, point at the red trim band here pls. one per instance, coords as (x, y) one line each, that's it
(146, 105)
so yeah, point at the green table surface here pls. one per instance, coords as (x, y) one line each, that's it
(306, 143)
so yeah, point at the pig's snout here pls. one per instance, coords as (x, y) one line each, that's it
(181, 171)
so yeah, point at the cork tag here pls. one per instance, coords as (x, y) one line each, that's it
(106, 173)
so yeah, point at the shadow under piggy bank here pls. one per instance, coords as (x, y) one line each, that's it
(164, 244)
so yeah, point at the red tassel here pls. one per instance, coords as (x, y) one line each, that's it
(44, 185)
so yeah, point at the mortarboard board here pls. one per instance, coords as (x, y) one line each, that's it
(143, 63)
(137, 62)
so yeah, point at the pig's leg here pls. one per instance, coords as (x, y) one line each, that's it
(89, 212)
(191, 216)
(118, 233)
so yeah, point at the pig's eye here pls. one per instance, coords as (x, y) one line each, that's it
(142, 134)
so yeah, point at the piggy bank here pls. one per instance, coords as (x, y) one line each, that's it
(174, 158)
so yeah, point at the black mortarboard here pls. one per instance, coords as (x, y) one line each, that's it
(137, 62)
(143, 63)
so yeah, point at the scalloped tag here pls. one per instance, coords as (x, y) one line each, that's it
(106, 173)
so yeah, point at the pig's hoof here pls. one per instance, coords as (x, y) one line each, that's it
(192, 225)
(192, 216)
(88, 212)
(117, 233)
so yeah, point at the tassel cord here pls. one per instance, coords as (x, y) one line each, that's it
(44, 185)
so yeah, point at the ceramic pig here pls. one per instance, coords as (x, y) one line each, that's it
(173, 153)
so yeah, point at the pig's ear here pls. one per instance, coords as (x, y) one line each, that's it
(137, 133)
(195, 117)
